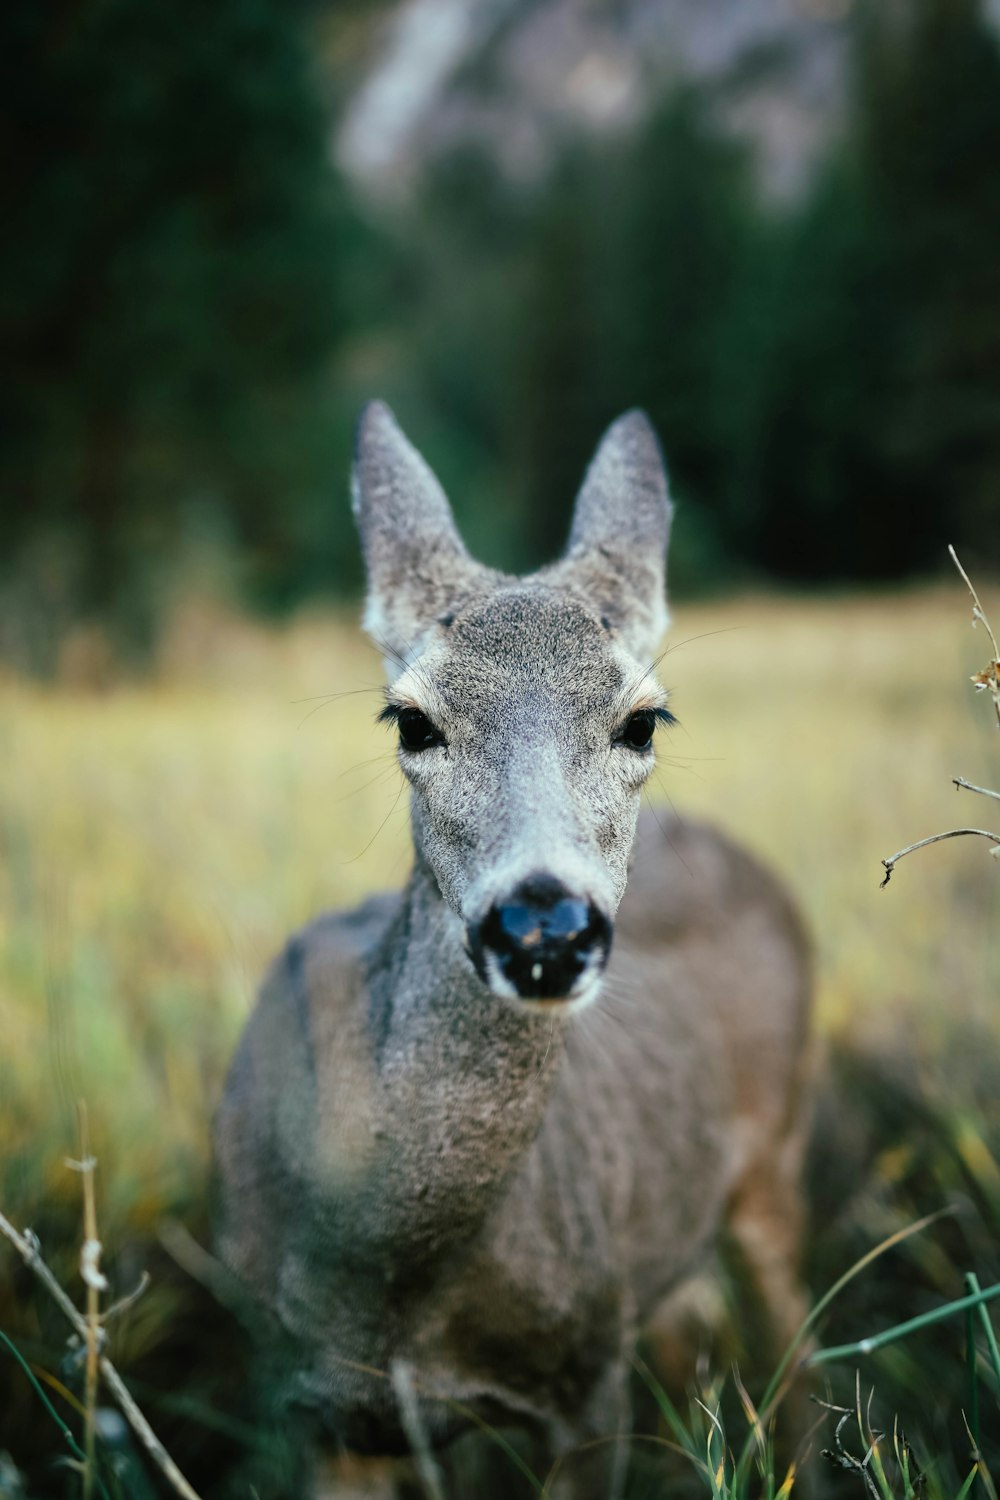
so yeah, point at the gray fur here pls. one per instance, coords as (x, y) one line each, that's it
(422, 1174)
(416, 561)
(618, 542)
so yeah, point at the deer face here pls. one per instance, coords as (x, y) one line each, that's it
(525, 708)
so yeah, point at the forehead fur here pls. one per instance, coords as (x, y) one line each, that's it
(517, 640)
(556, 625)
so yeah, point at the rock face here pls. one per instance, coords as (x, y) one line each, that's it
(510, 76)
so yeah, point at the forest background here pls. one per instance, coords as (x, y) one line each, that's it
(221, 238)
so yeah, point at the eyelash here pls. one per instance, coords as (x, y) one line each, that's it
(643, 721)
(416, 731)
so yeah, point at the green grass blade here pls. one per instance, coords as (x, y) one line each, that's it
(775, 1388)
(970, 1360)
(668, 1410)
(972, 1282)
(901, 1330)
(969, 1482)
(821, 1306)
(36, 1385)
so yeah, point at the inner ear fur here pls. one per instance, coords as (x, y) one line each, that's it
(415, 560)
(617, 545)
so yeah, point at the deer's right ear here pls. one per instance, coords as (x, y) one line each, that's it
(621, 525)
(414, 557)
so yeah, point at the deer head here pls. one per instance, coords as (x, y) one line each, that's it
(525, 707)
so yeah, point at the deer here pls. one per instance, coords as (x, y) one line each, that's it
(479, 1132)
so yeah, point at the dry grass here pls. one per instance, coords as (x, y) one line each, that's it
(158, 840)
(831, 731)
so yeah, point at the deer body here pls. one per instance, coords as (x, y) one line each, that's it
(468, 1145)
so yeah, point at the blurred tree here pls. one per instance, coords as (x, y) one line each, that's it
(558, 390)
(463, 244)
(685, 233)
(873, 437)
(929, 128)
(168, 287)
(808, 388)
(194, 304)
(826, 376)
(636, 266)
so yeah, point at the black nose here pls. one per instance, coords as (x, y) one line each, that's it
(541, 939)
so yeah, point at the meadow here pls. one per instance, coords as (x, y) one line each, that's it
(160, 837)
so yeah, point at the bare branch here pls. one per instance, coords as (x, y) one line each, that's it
(978, 613)
(144, 1432)
(129, 1299)
(935, 838)
(96, 1283)
(990, 679)
(984, 791)
(27, 1247)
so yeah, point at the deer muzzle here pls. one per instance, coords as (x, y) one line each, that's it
(542, 941)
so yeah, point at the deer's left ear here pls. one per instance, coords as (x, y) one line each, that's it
(618, 541)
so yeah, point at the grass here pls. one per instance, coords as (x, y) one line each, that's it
(158, 839)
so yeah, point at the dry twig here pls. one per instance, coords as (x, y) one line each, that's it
(96, 1283)
(935, 838)
(988, 680)
(984, 791)
(28, 1248)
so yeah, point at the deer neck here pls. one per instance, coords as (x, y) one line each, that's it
(463, 1076)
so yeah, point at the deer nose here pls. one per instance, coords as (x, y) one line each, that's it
(542, 939)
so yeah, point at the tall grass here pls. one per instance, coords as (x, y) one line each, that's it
(158, 839)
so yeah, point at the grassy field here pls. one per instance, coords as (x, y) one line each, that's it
(159, 839)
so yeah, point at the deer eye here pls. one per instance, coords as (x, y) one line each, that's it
(637, 731)
(416, 732)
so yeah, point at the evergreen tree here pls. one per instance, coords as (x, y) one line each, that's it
(875, 437)
(168, 284)
(559, 409)
(635, 269)
(685, 234)
(929, 107)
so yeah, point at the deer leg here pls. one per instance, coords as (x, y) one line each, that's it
(344, 1476)
(765, 1227)
(591, 1454)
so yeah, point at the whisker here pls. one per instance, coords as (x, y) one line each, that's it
(372, 687)
(391, 652)
(327, 699)
(674, 763)
(689, 640)
(410, 662)
(665, 831)
(361, 765)
(395, 804)
(380, 775)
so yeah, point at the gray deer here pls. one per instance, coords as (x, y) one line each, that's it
(468, 1148)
